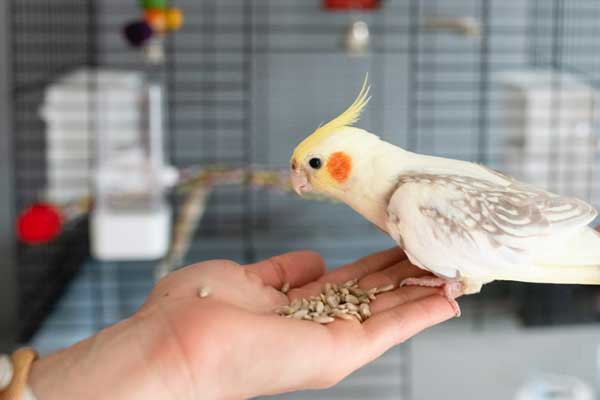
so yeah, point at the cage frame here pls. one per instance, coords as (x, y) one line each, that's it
(8, 282)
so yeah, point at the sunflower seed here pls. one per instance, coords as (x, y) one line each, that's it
(320, 307)
(351, 307)
(295, 306)
(342, 315)
(385, 288)
(365, 311)
(300, 314)
(357, 315)
(283, 310)
(286, 287)
(333, 301)
(357, 291)
(351, 299)
(203, 291)
(344, 291)
(324, 319)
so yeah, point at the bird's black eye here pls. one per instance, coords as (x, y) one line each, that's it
(315, 163)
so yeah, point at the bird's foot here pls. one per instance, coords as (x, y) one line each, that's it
(451, 288)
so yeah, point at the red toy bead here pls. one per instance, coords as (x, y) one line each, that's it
(39, 224)
(350, 4)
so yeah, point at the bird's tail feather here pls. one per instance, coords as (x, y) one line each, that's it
(581, 275)
(572, 261)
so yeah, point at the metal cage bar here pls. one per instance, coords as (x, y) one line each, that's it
(8, 284)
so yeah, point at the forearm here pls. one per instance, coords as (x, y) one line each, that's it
(114, 364)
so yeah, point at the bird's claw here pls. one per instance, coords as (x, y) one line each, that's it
(451, 288)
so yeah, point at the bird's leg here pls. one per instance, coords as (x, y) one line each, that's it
(452, 288)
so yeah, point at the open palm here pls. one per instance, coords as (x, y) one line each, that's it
(232, 345)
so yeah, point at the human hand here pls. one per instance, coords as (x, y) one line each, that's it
(231, 345)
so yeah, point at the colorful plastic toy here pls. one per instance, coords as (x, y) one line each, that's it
(158, 18)
(137, 33)
(174, 19)
(145, 4)
(39, 223)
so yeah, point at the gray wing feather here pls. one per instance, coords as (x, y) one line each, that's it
(507, 214)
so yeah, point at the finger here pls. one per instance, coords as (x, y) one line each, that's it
(355, 270)
(389, 300)
(392, 275)
(397, 324)
(365, 265)
(359, 344)
(297, 268)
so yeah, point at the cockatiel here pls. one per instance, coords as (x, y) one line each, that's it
(463, 222)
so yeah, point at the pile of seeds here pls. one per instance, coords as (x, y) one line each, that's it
(345, 301)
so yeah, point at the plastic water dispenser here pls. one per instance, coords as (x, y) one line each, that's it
(131, 218)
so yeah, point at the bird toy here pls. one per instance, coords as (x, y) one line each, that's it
(158, 20)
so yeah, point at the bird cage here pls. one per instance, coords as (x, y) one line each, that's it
(244, 82)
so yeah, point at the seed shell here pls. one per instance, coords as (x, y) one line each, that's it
(203, 291)
(324, 319)
(385, 288)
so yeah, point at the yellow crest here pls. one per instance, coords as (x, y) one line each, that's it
(347, 118)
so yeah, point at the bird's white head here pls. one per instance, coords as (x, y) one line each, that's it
(327, 161)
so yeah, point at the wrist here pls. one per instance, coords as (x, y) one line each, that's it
(115, 363)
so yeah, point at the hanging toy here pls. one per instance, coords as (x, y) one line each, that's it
(146, 4)
(39, 223)
(158, 19)
(137, 33)
(174, 18)
(351, 4)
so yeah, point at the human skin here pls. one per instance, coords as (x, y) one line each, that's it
(230, 344)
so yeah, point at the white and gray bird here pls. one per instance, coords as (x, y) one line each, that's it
(465, 223)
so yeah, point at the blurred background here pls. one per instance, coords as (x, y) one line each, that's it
(177, 119)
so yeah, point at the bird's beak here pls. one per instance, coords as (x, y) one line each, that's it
(300, 181)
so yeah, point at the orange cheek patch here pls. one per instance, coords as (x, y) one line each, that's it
(339, 166)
